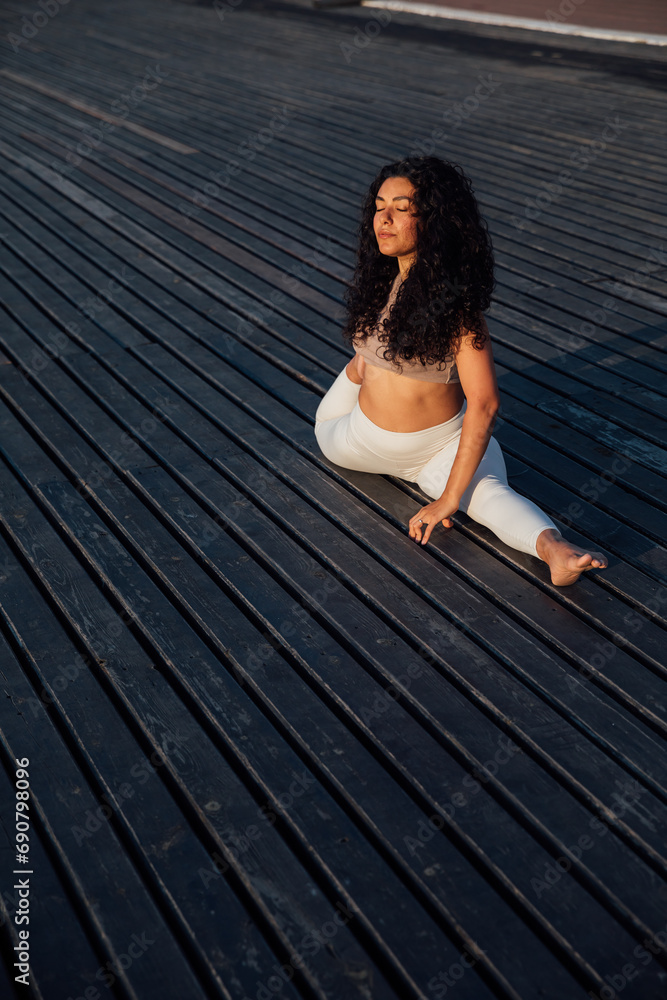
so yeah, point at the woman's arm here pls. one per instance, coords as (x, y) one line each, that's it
(355, 369)
(478, 381)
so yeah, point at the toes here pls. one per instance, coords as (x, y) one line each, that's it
(571, 562)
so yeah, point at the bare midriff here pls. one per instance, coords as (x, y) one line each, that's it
(397, 403)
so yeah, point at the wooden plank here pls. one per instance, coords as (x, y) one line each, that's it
(61, 395)
(62, 278)
(184, 757)
(63, 802)
(89, 109)
(269, 605)
(645, 634)
(221, 698)
(626, 477)
(385, 798)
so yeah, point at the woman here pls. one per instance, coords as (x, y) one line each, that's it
(420, 397)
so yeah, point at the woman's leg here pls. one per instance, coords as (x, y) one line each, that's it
(489, 499)
(340, 438)
(348, 438)
(340, 399)
(517, 521)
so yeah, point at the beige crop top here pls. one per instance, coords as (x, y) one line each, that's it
(371, 349)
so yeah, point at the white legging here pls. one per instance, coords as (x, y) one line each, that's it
(348, 438)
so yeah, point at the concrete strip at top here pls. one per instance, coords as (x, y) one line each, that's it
(512, 21)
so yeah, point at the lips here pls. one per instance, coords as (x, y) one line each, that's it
(385, 234)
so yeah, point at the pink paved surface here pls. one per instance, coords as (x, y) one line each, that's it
(640, 15)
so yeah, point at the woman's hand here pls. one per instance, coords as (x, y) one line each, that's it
(439, 511)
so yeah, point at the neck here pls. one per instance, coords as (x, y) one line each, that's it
(404, 265)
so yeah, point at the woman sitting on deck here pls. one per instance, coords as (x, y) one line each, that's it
(420, 397)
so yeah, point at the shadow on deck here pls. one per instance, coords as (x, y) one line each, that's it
(275, 748)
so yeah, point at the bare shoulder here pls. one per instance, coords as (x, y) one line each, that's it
(484, 326)
(469, 339)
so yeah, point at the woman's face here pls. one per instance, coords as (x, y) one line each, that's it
(395, 220)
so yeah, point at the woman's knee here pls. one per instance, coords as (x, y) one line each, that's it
(493, 462)
(480, 501)
(488, 484)
(331, 442)
(325, 411)
(321, 412)
(340, 399)
(322, 438)
(433, 481)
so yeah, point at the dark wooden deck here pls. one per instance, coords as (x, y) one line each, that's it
(277, 749)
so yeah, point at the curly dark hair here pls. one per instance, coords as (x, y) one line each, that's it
(451, 281)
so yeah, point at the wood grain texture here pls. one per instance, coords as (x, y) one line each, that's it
(302, 756)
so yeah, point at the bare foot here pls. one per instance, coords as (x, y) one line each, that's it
(566, 561)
